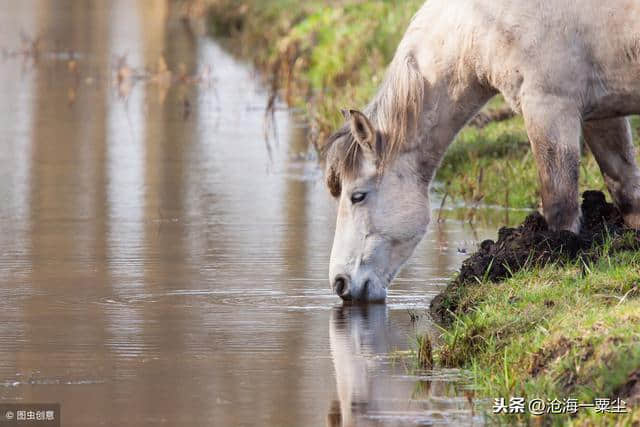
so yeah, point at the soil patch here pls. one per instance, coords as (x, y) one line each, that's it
(533, 244)
(543, 357)
(630, 391)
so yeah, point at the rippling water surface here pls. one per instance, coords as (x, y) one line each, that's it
(160, 263)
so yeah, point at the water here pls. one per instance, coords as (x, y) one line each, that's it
(161, 264)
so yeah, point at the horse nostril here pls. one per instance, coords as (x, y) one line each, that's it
(340, 284)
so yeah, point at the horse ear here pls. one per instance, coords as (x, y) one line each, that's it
(362, 129)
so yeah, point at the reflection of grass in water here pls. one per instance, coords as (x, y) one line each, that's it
(418, 361)
(424, 351)
(421, 390)
(121, 76)
(418, 358)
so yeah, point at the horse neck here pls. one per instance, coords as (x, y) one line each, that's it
(448, 105)
(447, 83)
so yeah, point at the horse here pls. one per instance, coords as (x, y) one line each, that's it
(571, 69)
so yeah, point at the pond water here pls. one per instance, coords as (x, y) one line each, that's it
(162, 263)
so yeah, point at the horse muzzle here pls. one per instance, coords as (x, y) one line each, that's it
(363, 289)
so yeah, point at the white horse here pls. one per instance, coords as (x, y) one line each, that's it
(571, 68)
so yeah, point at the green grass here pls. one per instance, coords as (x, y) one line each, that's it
(314, 49)
(554, 332)
(495, 165)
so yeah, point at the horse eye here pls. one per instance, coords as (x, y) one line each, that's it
(358, 197)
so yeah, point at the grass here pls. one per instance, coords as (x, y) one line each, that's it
(424, 351)
(312, 50)
(312, 53)
(554, 332)
(495, 164)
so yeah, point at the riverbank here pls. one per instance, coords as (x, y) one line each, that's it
(544, 315)
(312, 54)
(554, 333)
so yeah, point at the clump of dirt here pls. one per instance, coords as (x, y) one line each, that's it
(534, 244)
(583, 351)
(543, 357)
(630, 391)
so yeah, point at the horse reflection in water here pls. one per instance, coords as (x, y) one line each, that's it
(372, 387)
(357, 334)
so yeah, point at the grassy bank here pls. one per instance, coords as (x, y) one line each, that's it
(539, 314)
(320, 55)
(325, 55)
(554, 332)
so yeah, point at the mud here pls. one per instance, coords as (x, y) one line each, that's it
(583, 350)
(630, 391)
(534, 244)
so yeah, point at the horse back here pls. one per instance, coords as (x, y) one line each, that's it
(588, 49)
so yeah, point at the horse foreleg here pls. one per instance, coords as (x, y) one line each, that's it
(611, 143)
(553, 125)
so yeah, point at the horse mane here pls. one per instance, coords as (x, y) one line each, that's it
(394, 112)
(398, 104)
